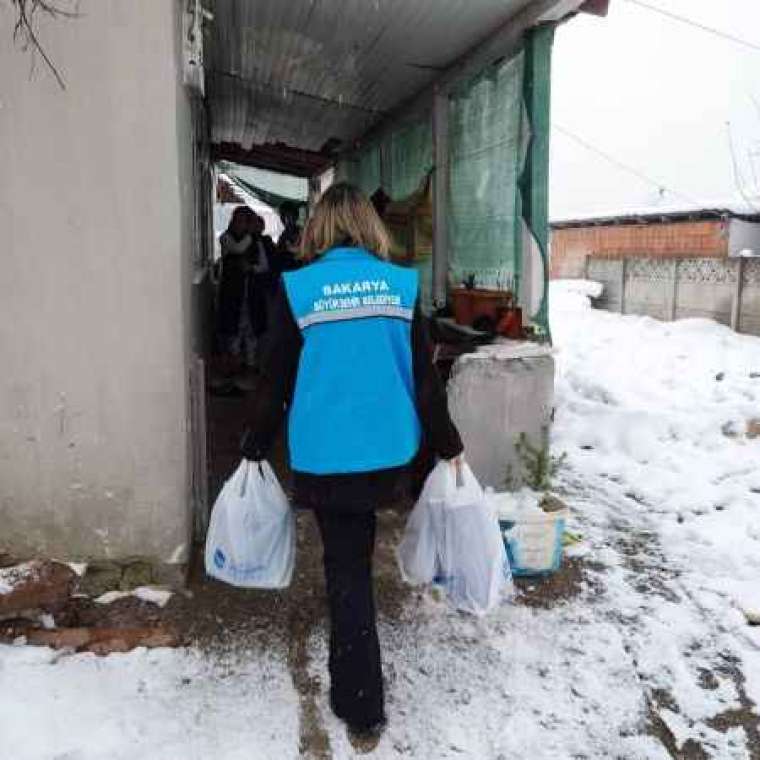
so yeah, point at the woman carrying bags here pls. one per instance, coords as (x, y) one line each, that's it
(348, 360)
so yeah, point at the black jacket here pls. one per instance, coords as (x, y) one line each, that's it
(231, 290)
(274, 393)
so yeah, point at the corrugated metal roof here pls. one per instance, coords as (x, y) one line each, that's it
(304, 71)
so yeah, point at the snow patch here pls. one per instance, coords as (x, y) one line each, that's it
(11, 577)
(153, 594)
(153, 704)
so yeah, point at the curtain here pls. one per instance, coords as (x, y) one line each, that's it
(487, 142)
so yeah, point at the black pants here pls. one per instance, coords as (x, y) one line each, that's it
(356, 679)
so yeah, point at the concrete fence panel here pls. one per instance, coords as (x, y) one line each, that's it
(706, 289)
(749, 310)
(726, 290)
(609, 272)
(649, 287)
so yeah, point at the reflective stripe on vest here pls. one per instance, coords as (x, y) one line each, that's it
(355, 312)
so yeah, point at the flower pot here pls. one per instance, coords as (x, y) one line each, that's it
(510, 324)
(480, 308)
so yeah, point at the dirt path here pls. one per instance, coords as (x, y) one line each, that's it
(220, 618)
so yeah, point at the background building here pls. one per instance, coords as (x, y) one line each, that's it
(707, 232)
(668, 265)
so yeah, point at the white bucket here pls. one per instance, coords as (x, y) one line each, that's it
(534, 541)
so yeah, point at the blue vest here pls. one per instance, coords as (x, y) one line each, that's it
(353, 407)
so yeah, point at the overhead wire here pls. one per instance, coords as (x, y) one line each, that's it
(697, 25)
(633, 170)
(661, 186)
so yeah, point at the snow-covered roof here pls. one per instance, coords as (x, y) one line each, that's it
(748, 209)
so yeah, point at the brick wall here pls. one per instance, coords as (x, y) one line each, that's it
(571, 245)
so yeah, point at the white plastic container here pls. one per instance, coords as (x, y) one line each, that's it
(532, 537)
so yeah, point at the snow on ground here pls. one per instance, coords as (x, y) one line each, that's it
(651, 659)
(543, 684)
(662, 409)
(653, 418)
(150, 704)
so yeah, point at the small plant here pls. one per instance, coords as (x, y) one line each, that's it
(538, 464)
(506, 283)
(469, 281)
(511, 482)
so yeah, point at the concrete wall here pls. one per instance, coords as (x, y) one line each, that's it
(726, 290)
(608, 272)
(749, 311)
(495, 395)
(649, 287)
(570, 246)
(743, 236)
(95, 233)
(706, 288)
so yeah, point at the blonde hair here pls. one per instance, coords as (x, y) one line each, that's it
(344, 216)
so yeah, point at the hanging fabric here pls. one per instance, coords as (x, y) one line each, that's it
(534, 182)
(269, 187)
(410, 151)
(487, 141)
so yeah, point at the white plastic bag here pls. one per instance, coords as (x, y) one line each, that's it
(453, 537)
(417, 553)
(251, 537)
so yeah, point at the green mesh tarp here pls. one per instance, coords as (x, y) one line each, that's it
(271, 188)
(498, 176)
(486, 156)
(411, 160)
(410, 151)
(408, 155)
(361, 169)
(368, 169)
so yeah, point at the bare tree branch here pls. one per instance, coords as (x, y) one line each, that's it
(738, 179)
(25, 35)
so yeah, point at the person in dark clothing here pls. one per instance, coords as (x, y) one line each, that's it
(262, 268)
(288, 244)
(348, 360)
(380, 200)
(233, 306)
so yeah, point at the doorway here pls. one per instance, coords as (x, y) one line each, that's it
(226, 366)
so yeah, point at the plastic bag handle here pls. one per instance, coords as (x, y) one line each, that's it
(250, 471)
(244, 481)
(457, 465)
(459, 473)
